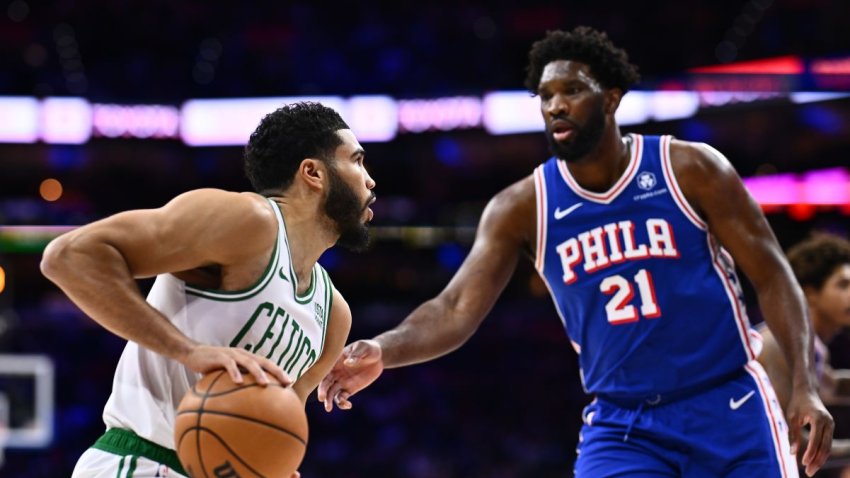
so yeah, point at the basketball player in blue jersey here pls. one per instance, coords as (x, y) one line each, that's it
(821, 265)
(635, 238)
(238, 285)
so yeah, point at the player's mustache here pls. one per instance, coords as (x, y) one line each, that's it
(372, 199)
(564, 118)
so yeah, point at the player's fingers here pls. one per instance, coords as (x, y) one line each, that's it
(251, 365)
(322, 391)
(275, 371)
(333, 392)
(342, 401)
(327, 401)
(233, 370)
(820, 443)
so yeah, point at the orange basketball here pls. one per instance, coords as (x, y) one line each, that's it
(240, 430)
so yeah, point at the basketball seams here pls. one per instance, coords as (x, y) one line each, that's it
(241, 417)
(201, 412)
(230, 450)
(203, 450)
(232, 390)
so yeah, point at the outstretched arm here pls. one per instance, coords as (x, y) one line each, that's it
(445, 322)
(714, 189)
(96, 266)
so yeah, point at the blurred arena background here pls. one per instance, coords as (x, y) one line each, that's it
(112, 105)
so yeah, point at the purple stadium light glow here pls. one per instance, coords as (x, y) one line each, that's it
(442, 114)
(136, 121)
(18, 119)
(828, 187)
(65, 120)
(373, 118)
(230, 122)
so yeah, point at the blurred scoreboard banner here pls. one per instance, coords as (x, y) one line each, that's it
(374, 118)
(379, 118)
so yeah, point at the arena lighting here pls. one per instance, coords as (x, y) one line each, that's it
(830, 66)
(18, 119)
(373, 119)
(801, 97)
(508, 112)
(439, 114)
(135, 121)
(230, 122)
(376, 118)
(827, 187)
(65, 120)
(783, 65)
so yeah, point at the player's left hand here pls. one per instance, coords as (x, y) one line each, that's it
(806, 408)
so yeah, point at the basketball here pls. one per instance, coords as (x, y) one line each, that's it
(240, 430)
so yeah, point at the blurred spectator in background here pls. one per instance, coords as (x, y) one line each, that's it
(821, 265)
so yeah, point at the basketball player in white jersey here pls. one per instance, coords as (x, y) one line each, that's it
(238, 286)
(821, 265)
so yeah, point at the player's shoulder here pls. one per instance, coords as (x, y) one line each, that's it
(247, 206)
(340, 310)
(220, 196)
(697, 155)
(700, 166)
(246, 217)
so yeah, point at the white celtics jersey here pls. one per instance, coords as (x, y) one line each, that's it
(269, 319)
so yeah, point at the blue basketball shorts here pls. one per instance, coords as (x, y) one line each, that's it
(732, 430)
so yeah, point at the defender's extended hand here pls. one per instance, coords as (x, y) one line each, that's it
(359, 365)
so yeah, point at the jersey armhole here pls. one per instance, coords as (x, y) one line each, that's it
(675, 190)
(328, 304)
(540, 201)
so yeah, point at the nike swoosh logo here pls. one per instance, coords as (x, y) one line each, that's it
(561, 214)
(736, 404)
(282, 275)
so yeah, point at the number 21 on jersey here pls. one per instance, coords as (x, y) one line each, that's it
(619, 308)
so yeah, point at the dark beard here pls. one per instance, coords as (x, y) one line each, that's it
(344, 209)
(586, 138)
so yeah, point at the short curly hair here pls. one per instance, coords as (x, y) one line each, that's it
(817, 258)
(608, 64)
(287, 136)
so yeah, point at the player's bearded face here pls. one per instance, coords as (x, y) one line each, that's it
(346, 210)
(586, 137)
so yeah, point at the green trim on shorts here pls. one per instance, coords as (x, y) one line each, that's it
(123, 442)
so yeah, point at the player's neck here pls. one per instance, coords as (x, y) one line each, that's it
(308, 237)
(604, 165)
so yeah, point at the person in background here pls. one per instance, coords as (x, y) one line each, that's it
(821, 265)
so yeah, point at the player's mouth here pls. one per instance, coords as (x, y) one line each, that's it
(562, 129)
(369, 213)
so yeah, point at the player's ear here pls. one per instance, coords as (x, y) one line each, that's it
(313, 172)
(612, 100)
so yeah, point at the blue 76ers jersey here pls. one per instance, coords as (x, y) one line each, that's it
(649, 299)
